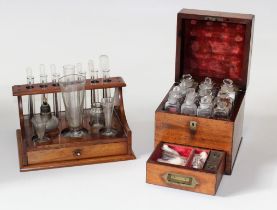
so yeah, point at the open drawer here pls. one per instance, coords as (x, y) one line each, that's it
(204, 179)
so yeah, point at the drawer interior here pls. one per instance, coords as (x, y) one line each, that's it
(210, 165)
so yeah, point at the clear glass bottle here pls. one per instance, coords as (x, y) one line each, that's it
(205, 108)
(39, 124)
(207, 87)
(206, 84)
(224, 96)
(229, 88)
(174, 100)
(31, 98)
(97, 116)
(185, 83)
(189, 107)
(221, 110)
(45, 112)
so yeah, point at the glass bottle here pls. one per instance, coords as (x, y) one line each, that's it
(45, 112)
(221, 110)
(174, 100)
(189, 107)
(56, 96)
(39, 124)
(229, 88)
(185, 83)
(224, 96)
(206, 84)
(207, 88)
(31, 98)
(205, 107)
(97, 116)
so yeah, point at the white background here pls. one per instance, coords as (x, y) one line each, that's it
(139, 37)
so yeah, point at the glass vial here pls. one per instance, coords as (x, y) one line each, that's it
(31, 98)
(94, 94)
(221, 110)
(56, 96)
(205, 106)
(189, 107)
(104, 66)
(43, 80)
(185, 83)
(229, 88)
(173, 102)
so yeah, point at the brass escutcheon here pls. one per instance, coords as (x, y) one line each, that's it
(192, 126)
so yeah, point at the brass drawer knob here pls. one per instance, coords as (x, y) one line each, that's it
(193, 126)
(77, 153)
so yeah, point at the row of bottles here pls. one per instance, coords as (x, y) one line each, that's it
(202, 100)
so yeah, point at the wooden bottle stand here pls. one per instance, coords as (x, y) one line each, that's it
(63, 152)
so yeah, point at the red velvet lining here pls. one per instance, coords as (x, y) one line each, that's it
(185, 151)
(214, 49)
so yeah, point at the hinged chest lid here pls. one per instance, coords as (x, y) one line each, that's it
(214, 44)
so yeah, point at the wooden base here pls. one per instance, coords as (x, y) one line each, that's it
(24, 166)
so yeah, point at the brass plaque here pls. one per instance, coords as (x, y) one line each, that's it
(180, 180)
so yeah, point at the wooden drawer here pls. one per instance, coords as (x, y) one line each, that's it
(199, 132)
(204, 180)
(195, 131)
(77, 152)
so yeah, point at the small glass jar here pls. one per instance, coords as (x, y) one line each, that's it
(174, 100)
(207, 84)
(97, 116)
(224, 96)
(189, 107)
(229, 88)
(221, 110)
(185, 83)
(52, 122)
(205, 107)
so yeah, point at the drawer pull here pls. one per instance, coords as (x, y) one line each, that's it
(193, 126)
(180, 180)
(77, 153)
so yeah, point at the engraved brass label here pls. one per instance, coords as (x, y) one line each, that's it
(180, 180)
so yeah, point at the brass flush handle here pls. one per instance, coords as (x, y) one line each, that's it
(193, 126)
(77, 153)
